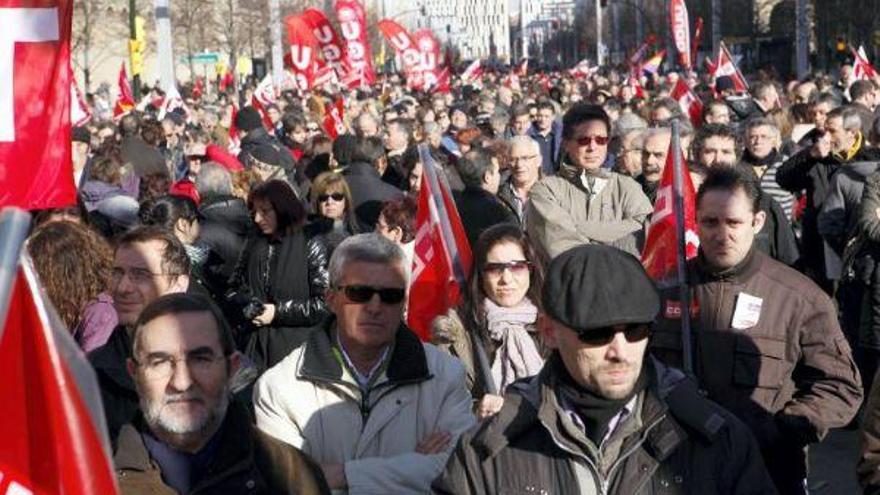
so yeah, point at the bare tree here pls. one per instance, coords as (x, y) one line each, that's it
(187, 17)
(95, 20)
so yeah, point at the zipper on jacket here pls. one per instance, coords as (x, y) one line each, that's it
(631, 450)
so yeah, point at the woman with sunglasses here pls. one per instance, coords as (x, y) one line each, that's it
(332, 215)
(496, 328)
(280, 277)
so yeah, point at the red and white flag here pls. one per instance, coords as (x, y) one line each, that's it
(53, 429)
(660, 257)
(265, 91)
(234, 145)
(522, 70)
(679, 22)
(334, 122)
(330, 45)
(358, 57)
(442, 259)
(429, 48)
(862, 68)
(124, 97)
(35, 162)
(689, 102)
(473, 73)
(404, 45)
(444, 81)
(303, 51)
(79, 109)
(724, 66)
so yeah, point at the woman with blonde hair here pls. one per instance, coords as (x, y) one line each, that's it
(332, 218)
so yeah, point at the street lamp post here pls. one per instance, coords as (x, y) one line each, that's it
(132, 28)
(600, 46)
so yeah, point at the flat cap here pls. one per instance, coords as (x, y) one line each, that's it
(248, 119)
(593, 286)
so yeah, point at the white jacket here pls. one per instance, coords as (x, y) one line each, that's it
(312, 402)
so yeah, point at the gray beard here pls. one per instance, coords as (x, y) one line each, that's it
(158, 421)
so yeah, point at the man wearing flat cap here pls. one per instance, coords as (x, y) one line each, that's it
(602, 416)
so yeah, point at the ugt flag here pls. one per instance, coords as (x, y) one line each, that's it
(660, 257)
(442, 259)
(53, 433)
(35, 163)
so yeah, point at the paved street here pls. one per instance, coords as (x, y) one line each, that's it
(833, 465)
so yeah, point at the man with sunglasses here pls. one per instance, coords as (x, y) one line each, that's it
(379, 410)
(584, 203)
(191, 437)
(767, 344)
(603, 416)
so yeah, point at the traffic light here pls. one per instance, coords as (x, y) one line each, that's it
(137, 46)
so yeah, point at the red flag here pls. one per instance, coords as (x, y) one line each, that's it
(79, 110)
(197, 89)
(444, 82)
(640, 52)
(124, 97)
(724, 66)
(234, 145)
(442, 259)
(228, 81)
(862, 68)
(679, 22)
(429, 48)
(689, 102)
(328, 41)
(35, 162)
(303, 51)
(54, 438)
(473, 72)
(698, 36)
(522, 70)
(333, 119)
(404, 46)
(660, 256)
(358, 57)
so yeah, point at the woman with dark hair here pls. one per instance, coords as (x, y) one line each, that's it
(74, 265)
(333, 215)
(496, 328)
(281, 275)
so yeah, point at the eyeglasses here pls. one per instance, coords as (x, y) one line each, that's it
(163, 366)
(335, 196)
(604, 336)
(136, 275)
(364, 293)
(517, 159)
(517, 267)
(586, 140)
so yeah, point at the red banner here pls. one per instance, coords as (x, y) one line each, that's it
(724, 66)
(442, 259)
(404, 46)
(35, 163)
(358, 57)
(303, 51)
(328, 41)
(429, 49)
(698, 37)
(333, 119)
(689, 102)
(862, 68)
(681, 31)
(660, 257)
(124, 96)
(54, 437)
(80, 113)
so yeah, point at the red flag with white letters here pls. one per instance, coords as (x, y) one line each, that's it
(35, 162)
(862, 68)
(328, 41)
(442, 258)
(358, 57)
(333, 119)
(124, 97)
(690, 103)
(660, 257)
(404, 46)
(303, 51)
(679, 21)
(53, 429)
(724, 66)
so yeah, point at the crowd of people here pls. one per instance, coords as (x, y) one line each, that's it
(239, 280)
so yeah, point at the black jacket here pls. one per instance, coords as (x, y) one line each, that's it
(290, 273)
(224, 227)
(368, 193)
(480, 210)
(117, 388)
(686, 444)
(246, 461)
(776, 237)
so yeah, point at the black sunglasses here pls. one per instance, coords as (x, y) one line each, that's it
(364, 293)
(604, 336)
(335, 196)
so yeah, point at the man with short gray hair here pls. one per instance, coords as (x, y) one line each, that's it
(525, 171)
(377, 408)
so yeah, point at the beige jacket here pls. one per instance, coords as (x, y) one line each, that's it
(312, 402)
(558, 217)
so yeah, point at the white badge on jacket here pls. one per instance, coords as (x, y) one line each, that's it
(747, 311)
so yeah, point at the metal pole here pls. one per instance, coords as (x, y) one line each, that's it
(640, 23)
(802, 39)
(715, 8)
(14, 223)
(277, 51)
(164, 51)
(132, 29)
(683, 287)
(615, 32)
(600, 47)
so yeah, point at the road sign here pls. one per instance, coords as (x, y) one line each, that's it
(205, 58)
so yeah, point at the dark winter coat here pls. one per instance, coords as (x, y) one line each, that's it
(675, 442)
(224, 227)
(247, 461)
(290, 273)
(480, 210)
(368, 193)
(790, 376)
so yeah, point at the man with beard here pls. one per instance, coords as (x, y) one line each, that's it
(654, 151)
(190, 437)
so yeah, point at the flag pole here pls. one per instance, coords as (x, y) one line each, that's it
(680, 245)
(14, 224)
